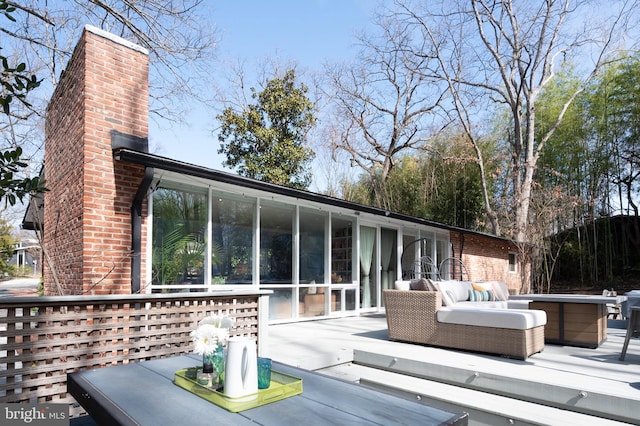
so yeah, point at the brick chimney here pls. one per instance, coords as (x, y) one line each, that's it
(88, 219)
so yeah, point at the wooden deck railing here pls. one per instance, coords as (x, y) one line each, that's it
(44, 338)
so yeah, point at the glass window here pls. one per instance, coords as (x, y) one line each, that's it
(312, 246)
(313, 301)
(336, 300)
(341, 250)
(513, 262)
(179, 242)
(441, 251)
(232, 240)
(417, 259)
(280, 304)
(409, 250)
(350, 299)
(426, 248)
(276, 243)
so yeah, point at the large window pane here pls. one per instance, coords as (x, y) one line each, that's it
(441, 251)
(312, 246)
(281, 304)
(313, 300)
(350, 299)
(276, 243)
(232, 248)
(341, 250)
(179, 243)
(408, 257)
(418, 260)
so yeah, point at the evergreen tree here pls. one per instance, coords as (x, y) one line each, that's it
(266, 141)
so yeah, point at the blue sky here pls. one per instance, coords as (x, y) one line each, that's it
(309, 32)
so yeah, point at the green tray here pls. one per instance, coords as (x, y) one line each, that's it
(282, 386)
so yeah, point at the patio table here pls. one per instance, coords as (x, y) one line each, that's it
(573, 319)
(144, 394)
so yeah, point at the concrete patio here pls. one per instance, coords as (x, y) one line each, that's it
(561, 385)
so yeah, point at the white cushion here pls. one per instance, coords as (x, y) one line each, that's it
(455, 291)
(420, 284)
(496, 304)
(516, 319)
(402, 285)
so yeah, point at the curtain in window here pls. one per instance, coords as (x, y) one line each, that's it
(387, 242)
(367, 239)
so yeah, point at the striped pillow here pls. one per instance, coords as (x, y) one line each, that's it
(481, 296)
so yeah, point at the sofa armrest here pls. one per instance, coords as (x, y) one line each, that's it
(414, 301)
(411, 314)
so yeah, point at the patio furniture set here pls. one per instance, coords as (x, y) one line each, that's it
(108, 395)
(440, 313)
(483, 317)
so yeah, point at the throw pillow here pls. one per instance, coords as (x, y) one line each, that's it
(479, 287)
(448, 298)
(431, 285)
(419, 284)
(481, 296)
(459, 290)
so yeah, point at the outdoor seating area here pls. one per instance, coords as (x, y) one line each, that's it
(172, 292)
(420, 317)
(560, 385)
(42, 342)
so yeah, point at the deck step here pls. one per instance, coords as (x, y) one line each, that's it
(483, 408)
(594, 402)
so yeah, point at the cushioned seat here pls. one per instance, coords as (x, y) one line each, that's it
(518, 319)
(496, 304)
(414, 316)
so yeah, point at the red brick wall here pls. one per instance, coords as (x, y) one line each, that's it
(88, 206)
(487, 259)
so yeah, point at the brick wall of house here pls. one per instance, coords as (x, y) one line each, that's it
(487, 259)
(88, 207)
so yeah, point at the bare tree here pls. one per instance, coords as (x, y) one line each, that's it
(502, 54)
(384, 104)
(178, 36)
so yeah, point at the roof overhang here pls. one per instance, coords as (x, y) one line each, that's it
(180, 167)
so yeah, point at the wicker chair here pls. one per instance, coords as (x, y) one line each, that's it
(411, 317)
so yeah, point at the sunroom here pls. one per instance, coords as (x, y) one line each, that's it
(321, 256)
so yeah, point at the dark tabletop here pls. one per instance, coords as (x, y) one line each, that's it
(144, 394)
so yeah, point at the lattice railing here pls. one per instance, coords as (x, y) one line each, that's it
(42, 339)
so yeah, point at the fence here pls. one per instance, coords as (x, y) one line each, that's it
(44, 338)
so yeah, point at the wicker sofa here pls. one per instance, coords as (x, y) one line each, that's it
(412, 316)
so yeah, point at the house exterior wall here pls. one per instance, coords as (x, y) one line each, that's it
(87, 215)
(487, 259)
